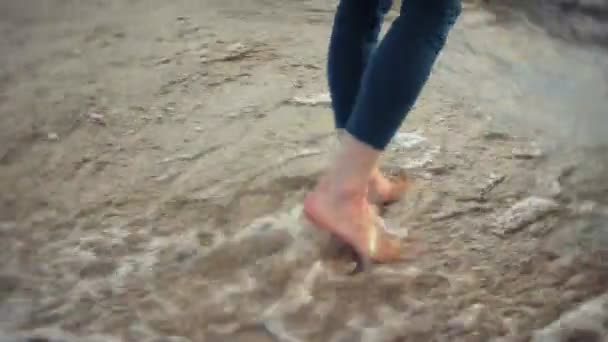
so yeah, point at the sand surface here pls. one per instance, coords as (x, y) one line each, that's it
(154, 155)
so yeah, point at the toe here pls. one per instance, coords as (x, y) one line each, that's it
(382, 246)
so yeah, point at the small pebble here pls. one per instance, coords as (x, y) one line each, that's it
(577, 281)
(236, 47)
(527, 153)
(7, 226)
(313, 100)
(406, 140)
(523, 213)
(52, 136)
(97, 118)
(466, 320)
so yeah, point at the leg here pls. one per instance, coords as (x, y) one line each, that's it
(400, 68)
(383, 191)
(354, 36)
(391, 84)
(402, 65)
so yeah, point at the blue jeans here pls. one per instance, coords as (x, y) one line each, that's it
(373, 86)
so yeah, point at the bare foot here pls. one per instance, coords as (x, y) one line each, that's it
(383, 191)
(350, 218)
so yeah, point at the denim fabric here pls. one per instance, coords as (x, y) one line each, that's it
(373, 86)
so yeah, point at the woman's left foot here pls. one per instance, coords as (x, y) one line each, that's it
(384, 191)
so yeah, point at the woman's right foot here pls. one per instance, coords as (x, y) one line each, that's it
(350, 218)
(384, 191)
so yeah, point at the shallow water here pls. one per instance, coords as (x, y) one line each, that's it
(176, 218)
(531, 81)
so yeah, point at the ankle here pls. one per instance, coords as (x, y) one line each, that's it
(344, 191)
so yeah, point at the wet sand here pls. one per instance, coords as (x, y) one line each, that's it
(153, 157)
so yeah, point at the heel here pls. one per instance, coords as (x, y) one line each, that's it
(363, 263)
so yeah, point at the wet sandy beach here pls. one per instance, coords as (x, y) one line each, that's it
(153, 157)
